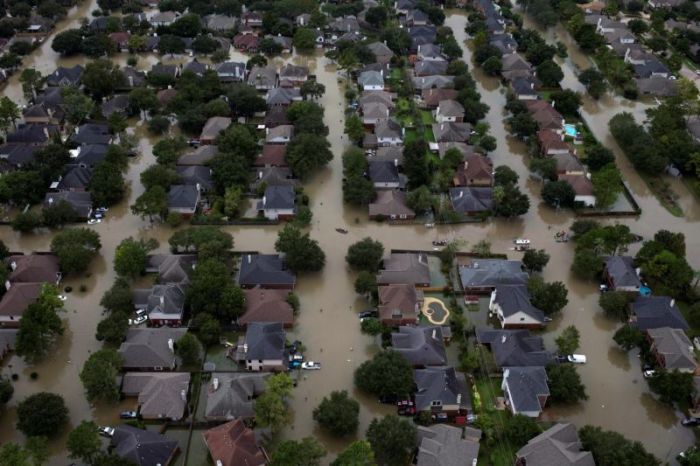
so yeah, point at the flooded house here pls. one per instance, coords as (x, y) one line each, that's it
(420, 346)
(234, 444)
(161, 395)
(512, 306)
(560, 445)
(265, 271)
(231, 395)
(143, 447)
(151, 349)
(262, 348)
(263, 305)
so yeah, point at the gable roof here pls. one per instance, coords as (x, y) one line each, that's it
(383, 172)
(161, 394)
(492, 272)
(79, 201)
(196, 175)
(432, 97)
(512, 348)
(400, 299)
(171, 268)
(620, 270)
(234, 394)
(514, 62)
(63, 75)
(675, 346)
(420, 346)
(443, 445)
(433, 82)
(450, 108)
(32, 133)
(282, 96)
(200, 156)
(380, 49)
(262, 76)
(183, 196)
(407, 268)
(370, 78)
(265, 341)
(440, 384)
(33, 268)
(293, 72)
(525, 385)
(557, 446)
(451, 131)
(263, 305)
(475, 167)
(20, 295)
(276, 116)
(142, 447)
(429, 67)
(165, 301)
(77, 177)
(117, 104)
(273, 176)
(390, 202)
(515, 298)
(233, 444)
(150, 347)
(278, 197)
(567, 163)
(471, 199)
(264, 269)
(581, 185)
(376, 96)
(388, 129)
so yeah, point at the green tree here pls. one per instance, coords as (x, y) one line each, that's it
(26, 221)
(302, 254)
(77, 105)
(188, 349)
(212, 291)
(312, 89)
(365, 283)
(153, 202)
(84, 442)
(612, 449)
(75, 248)
(42, 414)
(158, 175)
(522, 125)
(338, 413)
(558, 194)
(354, 128)
(40, 325)
(566, 102)
(206, 241)
(58, 214)
(208, 328)
(598, 156)
(170, 44)
(416, 163)
(365, 254)
(568, 341)
(9, 113)
(519, 429)
(143, 99)
(22, 187)
(6, 390)
(392, 440)
(305, 452)
(607, 185)
(270, 408)
(35, 452)
(107, 184)
(99, 375)
(492, 66)
(549, 73)
(386, 374)
(420, 199)
(628, 337)
(549, 297)
(504, 175)
(615, 304)
(594, 82)
(358, 453)
(118, 298)
(31, 80)
(68, 42)
(245, 100)
(307, 153)
(371, 326)
(565, 384)
(233, 198)
(131, 256)
(509, 201)
(113, 328)
(101, 78)
(535, 260)
(304, 40)
(673, 387)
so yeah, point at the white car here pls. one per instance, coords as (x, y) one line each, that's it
(62, 297)
(576, 358)
(106, 431)
(93, 221)
(311, 366)
(138, 320)
(649, 373)
(522, 241)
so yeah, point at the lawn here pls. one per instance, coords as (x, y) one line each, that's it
(496, 453)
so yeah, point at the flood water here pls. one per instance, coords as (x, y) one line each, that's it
(327, 323)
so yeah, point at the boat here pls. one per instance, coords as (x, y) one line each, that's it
(561, 237)
(521, 241)
(440, 242)
(429, 225)
(342, 230)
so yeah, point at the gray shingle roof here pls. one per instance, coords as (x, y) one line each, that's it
(471, 199)
(171, 268)
(430, 67)
(264, 270)
(443, 445)
(63, 76)
(370, 78)
(514, 347)
(450, 131)
(407, 268)
(183, 196)
(421, 346)
(442, 384)
(234, 396)
(76, 178)
(675, 346)
(142, 447)
(557, 446)
(492, 272)
(621, 271)
(278, 197)
(80, 201)
(383, 172)
(196, 175)
(514, 299)
(649, 312)
(149, 348)
(526, 384)
(265, 341)
(161, 395)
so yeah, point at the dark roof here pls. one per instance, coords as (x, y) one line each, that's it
(649, 312)
(196, 175)
(117, 104)
(273, 176)
(160, 68)
(557, 446)
(408, 268)
(265, 341)
(421, 346)
(183, 196)
(160, 394)
(421, 35)
(51, 96)
(263, 305)
(471, 199)
(90, 155)
(234, 396)
(451, 131)
(443, 445)
(264, 269)
(77, 177)
(515, 298)
(171, 268)
(492, 272)
(383, 172)
(278, 197)
(80, 201)
(150, 347)
(142, 447)
(440, 384)
(200, 156)
(195, 67)
(33, 268)
(621, 271)
(33, 133)
(276, 116)
(430, 67)
(62, 76)
(390, 202)
(514, 347)
(165, 301)
(525, 385)
(18, 154)
(20, 295)
(91, 133)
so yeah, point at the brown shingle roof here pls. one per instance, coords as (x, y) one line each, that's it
(581, 184)
(400, 299)
(233, 444)
(476, 168)
(34, 268)
(267, 306)
(18, 297)
(272, 154)
(432, 97)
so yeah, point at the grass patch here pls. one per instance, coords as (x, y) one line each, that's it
(662, 191)
(693, 185)
(496, 453)
(427, 117)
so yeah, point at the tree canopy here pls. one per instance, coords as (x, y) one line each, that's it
(386, 374)
(42, 414)
(302, 254)
(307, 451)
(338, 413)
(565, 384)
(270, 408)
(99, 375)
(365, 254)
(392, 439)
(75, 248)
(611, 448)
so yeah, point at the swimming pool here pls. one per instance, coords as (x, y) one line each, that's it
(570, 130)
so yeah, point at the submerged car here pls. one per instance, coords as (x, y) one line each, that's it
(128, 415)
(311, 366)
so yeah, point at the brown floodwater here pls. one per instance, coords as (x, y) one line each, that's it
(327, 323)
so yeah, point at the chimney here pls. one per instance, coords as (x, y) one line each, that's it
(461, 193)
(162, 300)
(50, 200)
(264, 201)
(13, 265)
(131, 81)
(503, 339)
(260, 175)
(215, 383)
(250, 258)
(183, 395)
(673, 302)
(171, 345)
(245, 347)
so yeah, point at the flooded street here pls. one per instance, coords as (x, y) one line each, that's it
(327, 322)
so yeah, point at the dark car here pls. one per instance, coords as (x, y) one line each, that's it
(128, 415)
(388, 399)
(368, 313)
(691, 422)
(440, 418)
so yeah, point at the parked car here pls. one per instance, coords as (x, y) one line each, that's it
(311, 366)
(440, 418)
(106, 431)
(93, 221)
(576, 358)
(691, 422)
(138, 320)
(649, 373)
(388, 399)
(128, 415)
(368, 313)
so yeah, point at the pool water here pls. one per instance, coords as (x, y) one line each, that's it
(570, 130)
